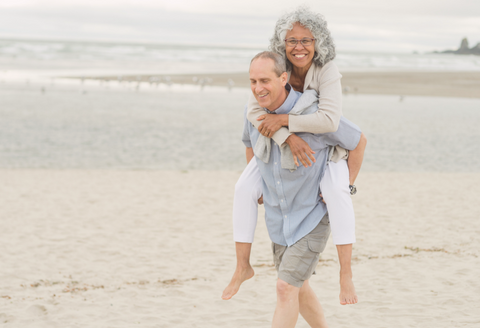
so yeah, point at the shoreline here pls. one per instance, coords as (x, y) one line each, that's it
(427, 83)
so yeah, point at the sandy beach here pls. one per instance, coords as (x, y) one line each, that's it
(121, 128)
(93, 248)
(117, 201)
(413, 83)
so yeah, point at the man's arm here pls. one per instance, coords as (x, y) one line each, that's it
(355, 159)
(347, 136)
(249, 154)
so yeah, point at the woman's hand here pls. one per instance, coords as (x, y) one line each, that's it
(272, 123)
(300, 150)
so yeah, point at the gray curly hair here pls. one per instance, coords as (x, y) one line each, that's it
(324, 46)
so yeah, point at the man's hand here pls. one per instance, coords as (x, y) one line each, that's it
(272, 123)
(321, 198)
(300, 150)
(260, 200)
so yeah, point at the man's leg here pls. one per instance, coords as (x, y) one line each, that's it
(286, 312)
(243, 271)
(310, 307)
(295, 265)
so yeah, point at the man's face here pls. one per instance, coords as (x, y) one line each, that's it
(267, 87)
(300, 55)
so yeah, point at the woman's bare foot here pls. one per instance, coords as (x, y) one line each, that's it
(239, 276)
(347, 289)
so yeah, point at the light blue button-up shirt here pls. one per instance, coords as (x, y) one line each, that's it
(292, 202)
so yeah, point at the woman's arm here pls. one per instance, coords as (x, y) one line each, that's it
(327, 118)
(254, 111)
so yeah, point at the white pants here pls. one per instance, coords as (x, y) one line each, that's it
(335, 192)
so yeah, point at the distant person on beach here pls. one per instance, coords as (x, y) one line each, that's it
(302, 39)
(297, 221)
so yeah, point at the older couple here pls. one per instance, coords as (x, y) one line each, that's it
(295, 116)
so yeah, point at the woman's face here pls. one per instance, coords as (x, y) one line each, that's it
(300, 56)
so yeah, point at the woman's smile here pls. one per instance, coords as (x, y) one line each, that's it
(299, 55)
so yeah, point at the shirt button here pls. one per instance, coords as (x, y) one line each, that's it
(285, 216)
(275, 163)
(278, 182)
(282, 200)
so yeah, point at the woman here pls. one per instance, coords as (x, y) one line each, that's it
(303, 39)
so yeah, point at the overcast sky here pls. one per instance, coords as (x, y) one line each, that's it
(371, 25)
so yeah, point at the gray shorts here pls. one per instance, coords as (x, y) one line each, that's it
(297, 263)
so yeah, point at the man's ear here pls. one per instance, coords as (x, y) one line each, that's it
(284, 78)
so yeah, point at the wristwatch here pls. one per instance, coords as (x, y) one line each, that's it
(353, 189)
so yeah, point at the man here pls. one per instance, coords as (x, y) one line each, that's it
(296, 219)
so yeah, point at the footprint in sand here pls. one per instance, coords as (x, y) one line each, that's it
(37, 310)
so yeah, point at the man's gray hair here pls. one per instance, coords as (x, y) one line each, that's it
(279, 62)
(324, 46)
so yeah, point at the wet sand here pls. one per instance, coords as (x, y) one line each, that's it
(437, 84)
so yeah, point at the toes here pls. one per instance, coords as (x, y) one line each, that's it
(353, 300)
(348, 300)
(228, 295)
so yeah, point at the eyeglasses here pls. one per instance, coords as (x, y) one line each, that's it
(293, 42)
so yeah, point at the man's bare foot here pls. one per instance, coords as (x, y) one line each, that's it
(347, 290)
(240, 275)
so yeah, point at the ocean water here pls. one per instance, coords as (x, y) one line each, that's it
(60, 58)
(54, 123)
(67, 126)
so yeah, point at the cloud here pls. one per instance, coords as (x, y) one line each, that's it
(356, 25)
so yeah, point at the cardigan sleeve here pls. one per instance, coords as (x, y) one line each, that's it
(254, 111)
(327, 118)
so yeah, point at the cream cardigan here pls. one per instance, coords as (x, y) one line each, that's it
(326, 82)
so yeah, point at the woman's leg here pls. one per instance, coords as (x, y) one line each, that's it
(245, 211)
(336, 193)
(248, 190)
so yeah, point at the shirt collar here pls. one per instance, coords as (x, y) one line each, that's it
(288, 104)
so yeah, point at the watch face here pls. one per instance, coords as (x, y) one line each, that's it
(353, 189)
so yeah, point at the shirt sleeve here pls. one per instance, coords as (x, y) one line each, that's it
(254, 111)
(246, 133)
(347, 136)
(327, 117)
